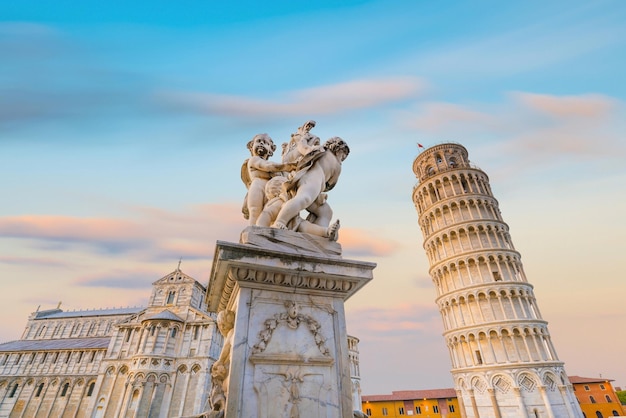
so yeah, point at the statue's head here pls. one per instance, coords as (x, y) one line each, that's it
(292, 309)
(261, 145)
(337, 146)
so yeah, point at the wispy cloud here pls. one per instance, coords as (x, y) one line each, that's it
(120, 279)
(356, 242)
(32, 261)
(587, 106)
(395, 322)
(322, 100)
(148, 233)
(534, 125)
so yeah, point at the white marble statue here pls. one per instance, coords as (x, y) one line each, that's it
(302, 143)
(277, 196)
(278, 192)
(317, 172)
(256, 171)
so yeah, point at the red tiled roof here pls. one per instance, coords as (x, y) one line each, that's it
(579, 379)
(406, 395)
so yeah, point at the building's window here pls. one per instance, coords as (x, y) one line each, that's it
(173, 335)
(128, 332)
(55, 357)
(39, 389)
(4, 359)
(479, 358)
(602, 387)
(401, 411)
(65, 388)
(608, 398)
(451, 408)
(587, 388)
(196, 329)
(385, 412)
(80, 356)
(436, 409)
(93, 357)
(17, 360)
(12, 394)
(368, 412)
(41, 331)
(90, 389)
(592, 399)
(599, 414)
(32, 358)
(67, 358)
(418, 410)
(170, 297)
(152, 329)
(615, 413)
(43, 358)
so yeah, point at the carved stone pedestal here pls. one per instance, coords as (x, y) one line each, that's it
(288, 348)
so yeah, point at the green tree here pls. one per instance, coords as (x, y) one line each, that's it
(622, 396)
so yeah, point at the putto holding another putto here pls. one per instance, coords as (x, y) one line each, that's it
(278, 192)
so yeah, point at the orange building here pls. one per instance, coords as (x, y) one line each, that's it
(596, 397)
(421, 403)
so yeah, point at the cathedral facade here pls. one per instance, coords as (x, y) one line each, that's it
(130, 362)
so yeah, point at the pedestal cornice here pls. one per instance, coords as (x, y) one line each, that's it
(246, 265)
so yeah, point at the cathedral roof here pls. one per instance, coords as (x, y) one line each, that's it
(57, 314)
(57, 344)
(166, 315)
(177, 276)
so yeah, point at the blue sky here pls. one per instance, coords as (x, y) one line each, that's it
(123, 127)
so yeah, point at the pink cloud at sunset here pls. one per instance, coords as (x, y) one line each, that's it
(68, 228)
(360, 242)
(176, 235)
(438, 116)
(136, 278)
(395, 321)
(328, 99)
(535, 125)
(45, 262)
(580, 106)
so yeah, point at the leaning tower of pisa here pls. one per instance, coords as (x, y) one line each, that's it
(503, 361)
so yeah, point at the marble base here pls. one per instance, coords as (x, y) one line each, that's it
(289, 349)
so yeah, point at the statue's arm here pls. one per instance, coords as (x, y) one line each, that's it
(304, 148)
(267, 166)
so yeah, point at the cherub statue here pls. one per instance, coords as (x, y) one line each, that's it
(276, 198)
(317, 172)
(256, 171)
(303, 143)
